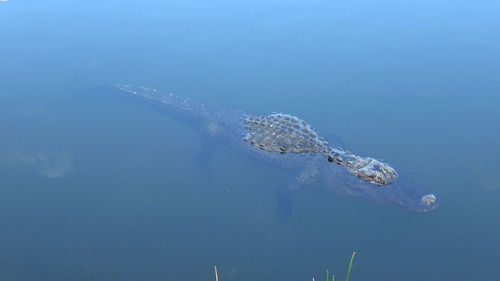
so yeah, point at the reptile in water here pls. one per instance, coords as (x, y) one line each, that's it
(291, 143)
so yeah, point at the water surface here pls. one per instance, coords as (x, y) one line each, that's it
(101, 189)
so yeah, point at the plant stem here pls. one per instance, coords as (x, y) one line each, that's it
(216, 275)
(350, 266)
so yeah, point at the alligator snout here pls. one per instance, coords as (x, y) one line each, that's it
(428, 199)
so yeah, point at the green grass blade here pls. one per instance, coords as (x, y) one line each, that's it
(327, 275)
(350, 266)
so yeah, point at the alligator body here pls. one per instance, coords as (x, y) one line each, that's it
(308, 166)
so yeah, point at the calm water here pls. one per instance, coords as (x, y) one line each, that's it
(101, 189)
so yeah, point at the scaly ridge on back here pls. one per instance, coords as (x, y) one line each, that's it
(286, 133)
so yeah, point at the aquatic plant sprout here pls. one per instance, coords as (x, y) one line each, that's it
(350, 266)
(286, 133)
(216, 274)
(348, 270)
(327, 272)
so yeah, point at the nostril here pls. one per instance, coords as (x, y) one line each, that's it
(428, 199)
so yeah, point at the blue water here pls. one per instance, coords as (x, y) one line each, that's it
(102, 189)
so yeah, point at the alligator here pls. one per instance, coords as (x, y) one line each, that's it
(288, 142)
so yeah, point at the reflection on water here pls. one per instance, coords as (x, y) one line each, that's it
(48, 164)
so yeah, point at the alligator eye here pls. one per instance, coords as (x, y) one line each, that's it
(428, 199)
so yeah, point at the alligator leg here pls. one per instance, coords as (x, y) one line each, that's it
(308, 176)
(201, 160)
(202, 157)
